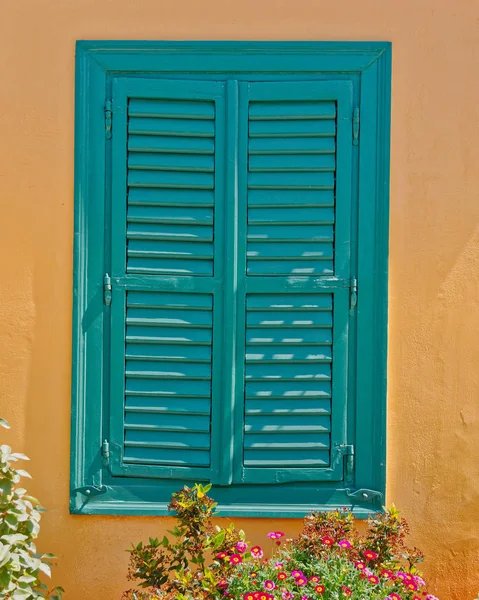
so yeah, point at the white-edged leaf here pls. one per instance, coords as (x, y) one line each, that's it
(23, 473)
(20, 456)
(44, 568)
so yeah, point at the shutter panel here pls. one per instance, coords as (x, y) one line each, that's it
(297, 280)
(167, 184)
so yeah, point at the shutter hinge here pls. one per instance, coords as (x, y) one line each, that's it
(105, 452)
(346, 451)
(356, 126)
(108, 113)
(353, 297)
(107, 289)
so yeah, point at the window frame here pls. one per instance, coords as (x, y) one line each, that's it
(96, 63)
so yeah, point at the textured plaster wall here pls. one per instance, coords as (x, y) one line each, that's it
(433, 472)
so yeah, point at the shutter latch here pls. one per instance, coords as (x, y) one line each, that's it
(108, 119)
(353, 298)
(364, 495)
(356, 126)
(107, 289)
(91, 490)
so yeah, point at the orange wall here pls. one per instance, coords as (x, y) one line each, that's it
(433, 472)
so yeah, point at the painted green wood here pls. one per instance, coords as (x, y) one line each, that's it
(168, 201)
(295, 411)
(166, 335)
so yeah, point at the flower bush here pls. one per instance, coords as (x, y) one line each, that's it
(329, 559)
(21, 567)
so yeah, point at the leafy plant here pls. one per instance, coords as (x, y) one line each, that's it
(329, 559)
(20, 565)
(177, 568)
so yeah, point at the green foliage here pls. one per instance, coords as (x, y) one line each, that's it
(330, 559)
(177, 568)
(21, 567)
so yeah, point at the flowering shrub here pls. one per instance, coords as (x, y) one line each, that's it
(329, 559)
(20, 565)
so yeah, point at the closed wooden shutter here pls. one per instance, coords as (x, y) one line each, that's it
(296, 289)
(167, 185)
(174, 402)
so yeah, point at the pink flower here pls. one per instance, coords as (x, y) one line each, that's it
(296, 574)
(304, 597)
(256, 552)
(373, 579)
(279, 565)
(327, 541)
(301, 580)
(236, 559)
(367, 572)
(394, 596)
(315, 578)
(346, 590)
(360, 565)
(419, 581)
(269, 585)
(431, 597)
(386, 573)
(370, 555)
(275, 535)
(241, 547)
(344, 544)
(287, 595)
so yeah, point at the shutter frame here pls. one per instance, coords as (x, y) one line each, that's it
(368, 65)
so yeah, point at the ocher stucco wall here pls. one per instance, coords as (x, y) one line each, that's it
(433, 472)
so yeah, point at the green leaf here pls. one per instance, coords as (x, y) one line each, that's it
(5, 577)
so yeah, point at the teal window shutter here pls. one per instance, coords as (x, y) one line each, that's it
(230, 295)
(296, 289)
(167, 186)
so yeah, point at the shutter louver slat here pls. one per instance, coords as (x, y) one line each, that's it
(288, 385)
(291, 188)
(170, 170)
(168, 385)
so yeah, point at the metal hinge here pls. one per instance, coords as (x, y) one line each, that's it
(105, 452)
(107, 289)
(356, 126)
(346, 451)
(353, 298)
(108, 113)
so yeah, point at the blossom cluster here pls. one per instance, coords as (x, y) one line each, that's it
(269, 579)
